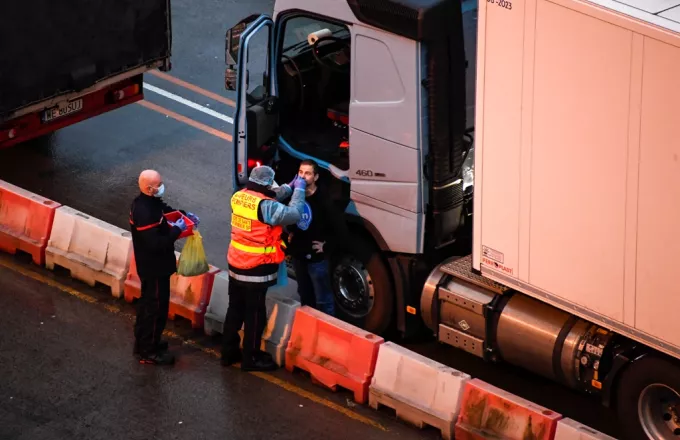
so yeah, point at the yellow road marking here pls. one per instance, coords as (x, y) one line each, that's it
(112, 309)
(210, 351)
(295, 389)
(45, 280)
(320, 400)
(164, 111)
(192, 87)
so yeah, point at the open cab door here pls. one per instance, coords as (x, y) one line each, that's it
(249, 74)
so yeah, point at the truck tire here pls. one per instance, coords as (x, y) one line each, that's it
(648, 400)
(362, 286)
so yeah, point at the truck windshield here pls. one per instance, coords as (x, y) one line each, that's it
(295, 35)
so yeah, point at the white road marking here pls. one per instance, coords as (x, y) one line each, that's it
(188, 103)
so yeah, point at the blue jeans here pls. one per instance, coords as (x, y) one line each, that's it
(314, 285)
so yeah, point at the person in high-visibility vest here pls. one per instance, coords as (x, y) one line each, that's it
(254, 256)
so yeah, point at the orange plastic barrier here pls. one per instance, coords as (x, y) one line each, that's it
(333, 352)
(489, 412)
(25, 221)
(189, 296)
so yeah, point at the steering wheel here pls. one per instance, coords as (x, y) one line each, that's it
(340, 43)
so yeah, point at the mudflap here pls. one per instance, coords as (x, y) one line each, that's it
(409, 275)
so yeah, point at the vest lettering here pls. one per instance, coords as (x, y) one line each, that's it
(253, 243)
(241, 223)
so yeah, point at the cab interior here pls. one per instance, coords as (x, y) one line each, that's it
(314, 88)
(314, 93)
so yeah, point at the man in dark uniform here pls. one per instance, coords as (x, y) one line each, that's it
(153, 240)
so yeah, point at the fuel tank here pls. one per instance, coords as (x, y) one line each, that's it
(489, 320)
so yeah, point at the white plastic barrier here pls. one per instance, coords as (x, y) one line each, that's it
(568, 429)
(280, 317)
(420, 390)
(91, 249)
(217, 308)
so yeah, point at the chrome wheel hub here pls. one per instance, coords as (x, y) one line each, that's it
(659, 412)
(353, 287)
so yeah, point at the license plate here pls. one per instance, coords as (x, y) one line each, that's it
(62, 110)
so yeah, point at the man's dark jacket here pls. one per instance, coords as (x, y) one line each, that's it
(326, 223)
(153, 239)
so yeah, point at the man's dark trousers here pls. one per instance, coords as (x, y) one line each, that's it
(152, 313)
(246, 305)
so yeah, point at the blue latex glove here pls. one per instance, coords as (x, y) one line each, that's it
(181, 224)
(299, 182)
(292, 182)
(194, 218)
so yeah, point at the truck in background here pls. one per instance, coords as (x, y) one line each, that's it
(64, 63)
(570, 184)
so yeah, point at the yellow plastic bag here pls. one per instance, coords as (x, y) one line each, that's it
(192, 259)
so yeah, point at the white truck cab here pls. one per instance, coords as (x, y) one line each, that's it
(376, 97)
(567, 265)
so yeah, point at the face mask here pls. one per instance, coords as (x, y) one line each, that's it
(161, 190)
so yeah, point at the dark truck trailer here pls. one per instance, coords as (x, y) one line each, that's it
(65, 61)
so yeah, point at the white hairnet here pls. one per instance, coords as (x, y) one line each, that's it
(262, 175)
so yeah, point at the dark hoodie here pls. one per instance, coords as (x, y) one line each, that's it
(321, 221)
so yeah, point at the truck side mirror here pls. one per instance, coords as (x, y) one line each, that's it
(232, 43)
(231, 78)
(231, 46)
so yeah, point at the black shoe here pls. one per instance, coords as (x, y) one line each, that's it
(162, 346)
(230, 358)
(161, 358)
(264, 356)
(259, 365)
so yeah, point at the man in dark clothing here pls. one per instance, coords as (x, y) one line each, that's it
(319, 233)
(153, 241)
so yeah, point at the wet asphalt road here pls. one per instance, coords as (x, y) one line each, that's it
(68, 373)
(93, 166)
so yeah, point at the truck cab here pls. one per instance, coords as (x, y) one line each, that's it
(570, 278)
(376, 96)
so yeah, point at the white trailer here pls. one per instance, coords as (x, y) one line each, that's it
(572, 182)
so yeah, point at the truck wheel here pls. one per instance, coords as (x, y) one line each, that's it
(649, 400)
(363, 288)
